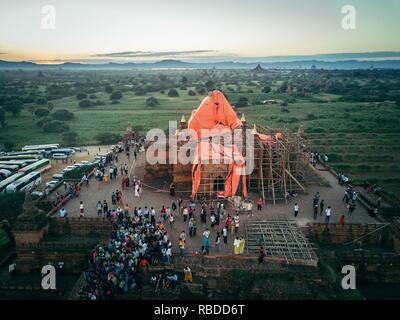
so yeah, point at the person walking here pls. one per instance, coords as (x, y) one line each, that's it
(321, 207)
(181, 247)
(99, 208)
(225, 234)
(259, 204)
(315, 211)
(81, 210)
(188, 274)
(261, 255)
(236, 246)
(296, 210)
(328, 213)
(218, 242)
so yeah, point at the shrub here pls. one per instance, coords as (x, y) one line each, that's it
(173, 93)
(81, 96)
(242, 102)
(55, 126)
(11, 206)
(191, 93)
(116, 95)
(62, 115)
(152, 102)
(41, 101)
(85, 104)
(42, 121)
(41, 112)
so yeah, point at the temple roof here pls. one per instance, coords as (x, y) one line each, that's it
(214, 112)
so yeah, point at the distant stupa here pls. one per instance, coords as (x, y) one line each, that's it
(258, 68)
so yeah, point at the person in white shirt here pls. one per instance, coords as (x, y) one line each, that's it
(296, 209)
(328, 213)
(63, 212)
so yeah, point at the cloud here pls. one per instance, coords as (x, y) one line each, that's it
(151, 54)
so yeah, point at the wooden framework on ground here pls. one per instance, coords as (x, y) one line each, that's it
(281, 238)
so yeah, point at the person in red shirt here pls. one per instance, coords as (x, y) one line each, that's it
(342, 220)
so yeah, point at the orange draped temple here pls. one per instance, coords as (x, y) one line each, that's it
(216, 114)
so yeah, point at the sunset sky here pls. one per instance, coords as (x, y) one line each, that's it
(121, 30)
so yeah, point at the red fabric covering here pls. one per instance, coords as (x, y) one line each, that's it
(206, 152)
(214, 112)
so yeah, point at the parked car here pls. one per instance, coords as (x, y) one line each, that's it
(58, 176)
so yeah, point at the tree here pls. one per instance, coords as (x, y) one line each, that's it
(184, 80)
(210, 85)
(191, 93)
(106, 137)
(2, 117)
(266, 89)
(69, 138)
(55, 126)
(9, 146)
(13, 106)
(62, 115)
(42, 121)
(81, 95)
(50, 106)
(116, 95)
(173, 93)
(152, 102)
(40, 113)
(109, 89)
(242, 102)
(85, 103)
(202, 90)
(41, 101)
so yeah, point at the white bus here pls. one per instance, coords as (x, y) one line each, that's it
(19, 157)
(27, 182)
(39, 166)
(38, 153)
(19, 163)
(10, 167)
(9, 180)
(46, 147)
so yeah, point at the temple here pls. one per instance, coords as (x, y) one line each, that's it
(280, 159)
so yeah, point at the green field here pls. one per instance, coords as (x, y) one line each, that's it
(351, 116)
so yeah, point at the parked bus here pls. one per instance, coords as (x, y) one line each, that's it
(19, 163)
(19, 157)
(39, 166)
(9, 167)
(9, 180)
(27, 182)
(38, 153)
(46, 147)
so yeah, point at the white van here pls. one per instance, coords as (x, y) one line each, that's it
(59, 156)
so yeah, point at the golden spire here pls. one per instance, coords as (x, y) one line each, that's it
(183, 119)
(254, 131)
(243, 119)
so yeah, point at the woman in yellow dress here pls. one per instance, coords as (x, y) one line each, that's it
(188, 274)
(236, 246)
(242, 242)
